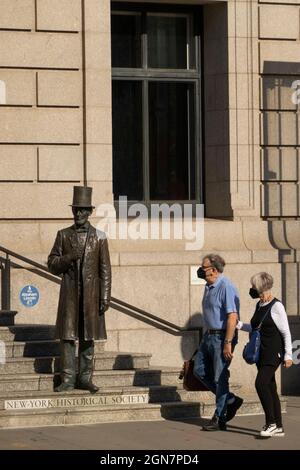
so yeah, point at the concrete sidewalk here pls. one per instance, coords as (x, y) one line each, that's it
(242, 434)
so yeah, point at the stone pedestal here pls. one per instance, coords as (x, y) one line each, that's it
(7, 317)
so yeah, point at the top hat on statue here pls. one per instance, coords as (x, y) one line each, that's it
(82, 197)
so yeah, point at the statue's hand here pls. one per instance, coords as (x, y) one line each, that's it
(76, 254)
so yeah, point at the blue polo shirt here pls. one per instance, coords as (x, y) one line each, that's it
(220, 298)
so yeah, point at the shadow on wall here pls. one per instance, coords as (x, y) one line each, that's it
(216, 163)
(191, 339)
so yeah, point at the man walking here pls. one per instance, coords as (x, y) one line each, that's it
(220, 316)
(80, 253)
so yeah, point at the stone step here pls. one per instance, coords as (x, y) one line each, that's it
(167, 377)
(36, 334)
(105, 378)
(27, 332)
(154, 394)
(250, 407)
(122, 395)
(157, 393)
(44, 348)
(47, 365)
(113, 395)
(111, 405)
(98, 414)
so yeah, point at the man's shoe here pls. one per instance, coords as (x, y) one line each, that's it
(64, 387)
(92, 388)
(233, 407)
(215, 425)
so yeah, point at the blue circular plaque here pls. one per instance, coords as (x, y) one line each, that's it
(29, 296)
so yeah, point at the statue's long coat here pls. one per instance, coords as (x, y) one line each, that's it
(96, 283)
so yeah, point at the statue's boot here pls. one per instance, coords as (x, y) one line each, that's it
(68, 366)
(86, 363)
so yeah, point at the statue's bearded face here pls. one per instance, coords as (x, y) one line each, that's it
(81, 215)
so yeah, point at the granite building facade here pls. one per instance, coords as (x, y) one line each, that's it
(191, 101)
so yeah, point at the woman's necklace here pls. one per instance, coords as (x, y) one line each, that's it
(267, 299)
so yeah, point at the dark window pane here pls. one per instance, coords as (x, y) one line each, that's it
(172, 144)
(127, 140)
(126, 40)
(167, 42)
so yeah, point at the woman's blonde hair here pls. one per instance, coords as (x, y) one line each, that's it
(262, 282)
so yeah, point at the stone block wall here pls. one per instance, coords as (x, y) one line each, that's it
(56, 131)
(231, 97)
(55, 108)
(279, 36)
(216, 114)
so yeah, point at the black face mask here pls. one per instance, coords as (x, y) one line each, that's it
(253, 293)
(201, 273)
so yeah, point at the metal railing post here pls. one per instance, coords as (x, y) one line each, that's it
(5, 284)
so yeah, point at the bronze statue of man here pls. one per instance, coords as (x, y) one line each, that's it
(80, 254)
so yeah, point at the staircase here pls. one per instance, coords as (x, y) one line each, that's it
(130, 390)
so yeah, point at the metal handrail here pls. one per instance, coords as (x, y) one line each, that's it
(115, 303)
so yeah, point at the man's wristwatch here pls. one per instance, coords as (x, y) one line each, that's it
(227, 341)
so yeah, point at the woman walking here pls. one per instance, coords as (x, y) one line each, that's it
(276, 348)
